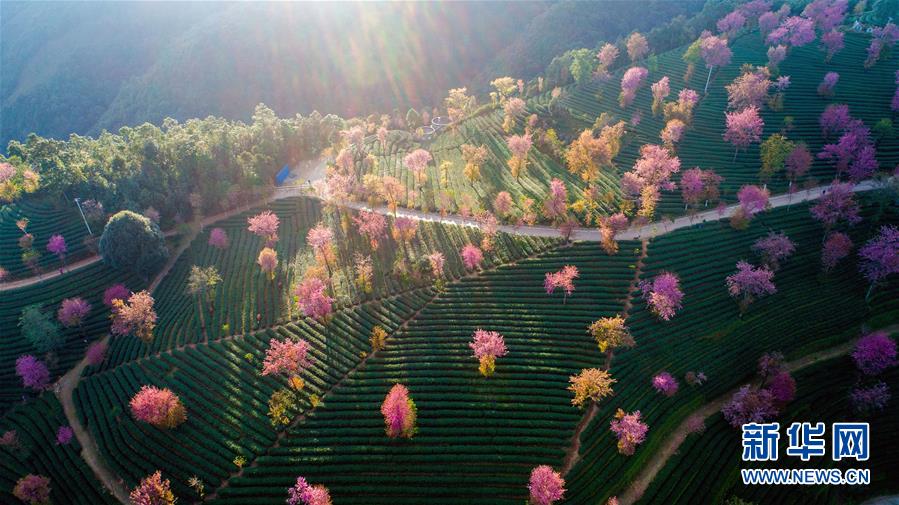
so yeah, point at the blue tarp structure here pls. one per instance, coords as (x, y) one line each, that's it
(282, 175)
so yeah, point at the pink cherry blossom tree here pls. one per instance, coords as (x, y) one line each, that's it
(303, 493)
(834, 119)
(399, 413)
(33, 372)
(874, 353)
(545, 486)
(631, 81)
(880, 256)
(749, 405)
(837, 206)
(630, 430)
(487, 346)
(637, 46)
(57, 245)
(866, 400)
(773, 249)
(218, 238)
(731, 23)
(64, 435)
(744, 127)
(33, 489)
(96, 353)
(660, 90)
(828, 83)
(715, 53)
(417, 161)
(798, 162)
(72, 311)
(665, 383)
(663, 295)
(265, 225)
(555, 206)
(698, 185)
(158, 406)
(750, 283)
(135, 316)
(472, 257)
(312, 299)
(776, 55)
(795, 31)
(115, 292)
(287, 357)
(837, 246)
(832, 43)
(436, 260)
(519, 146)
(563, 279)
(372, 226)
(153, 490)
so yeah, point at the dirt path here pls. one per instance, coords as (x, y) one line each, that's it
(89, 450)
(670, 446)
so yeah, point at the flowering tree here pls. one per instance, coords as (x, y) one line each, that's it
(743, 128)
(592, 384)
(153, 490)
(472, 257)
(436, 260)
(882, 37)
(302, 493)
(607, 55)
(417, 161)
(218, 238)
(698, 185)
(750, 283)
(832, 43)
(768, 21)
(874, 353)
(673, 132)
(776, 55)
(834, 119)
(663, 295)
(753, 200)
(731, 23)
(268, 262)
(631, 81)
(880, 256)
(546, 486)
(749, 89)
(715, 53)
(487, 346)
(158, 406)
(827, 14)
(866, 400)
(637, 46)
(64, 435)
(312, 300)
(795, 31)
(519, 146)
(853, 151)
(287, 357)
(665, 383)
(513, 109)
(608, 228)
(660, 90)
(773, 153)
(611, 333)
(749, 405)
(136, 316)
(33, 372)
(96, 353)
(837, 206)
(33, 489)
(837, 246)
(371, 225)
(630, 430)
(265, 225)
(563, 279)
(773, 249)
(654, 167)
(474, 157)
(57, 245)
(115, 292)
(782, 388)
(798, 162)
(72, 311)
(399, 413)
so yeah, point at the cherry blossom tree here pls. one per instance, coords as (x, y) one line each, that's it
(798, 162)
(474, 157)
(472, 257)
(115, 292)
(673, 132)
(827, 14)
(749, 405)
(64, 435)
(753, 200)
(834, 119)
(303, 493)
(417, 161)
(660, 90)
(631, 81)
(546, 486)
(268, 262)
(768, 21)
(874, 353)
(776, 55)
(502, 204)
(96, 353)
(731, 23)
(866, 400)
(158, 406)
(750, 283)
(795, 31)
(837, 246)
(72, 311)
(513, 109)
(630, 430)
(33, 489)
(880, 256)
(563, 279)
(265, 225)
(715, 53)
(399, 413)
(782, 388)
(637, 46)
(312, 299)
(663, 295)
(153, 490)
(882, 37)
(519, 146)
(853, 152)
(750, 89)
(136, 316)
(838, 205)
(57, 245)
(33, 372)
(436, 260)
(487, 346)
(743, 128)
(555, 206)
(592, 384)
(218, 238)
(607, 55)
(665, 383)
(773, 249)
(698, 185)
(832, 43)
(287, 357)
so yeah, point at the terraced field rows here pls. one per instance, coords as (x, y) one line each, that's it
(71, 480)
(810, 311)
(478, 438)
(44, 221)
(822, 396)
(225, 396)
